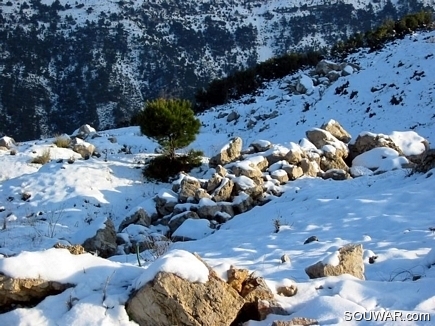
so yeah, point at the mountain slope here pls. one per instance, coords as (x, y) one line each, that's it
(98, 61)
(390, 214)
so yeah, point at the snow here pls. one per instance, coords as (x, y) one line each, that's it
(389, 213)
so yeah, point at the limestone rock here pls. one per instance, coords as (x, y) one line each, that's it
(248, 186)
(214, 182)
(280, 175)
(223, 192)
(232, 116)
(201, 193)
(310, 168)
(333, 163)
(228, 153)
(188, 187)
(294, 172)
(287, 291)
(337, 131)
(367, 141)
(336, 174)
(242, 203)
(326, 66)
(293, 156)
(73, 249)
(427, 162)
(221, 170)
(261, 145)
(140, 217)
(172, 300)
(166, 200)
(103, 242)
(350, 262)
(248, 169)
(84, 131)
(26, 292)
(85, 149)
(320, 138)
(237, 277)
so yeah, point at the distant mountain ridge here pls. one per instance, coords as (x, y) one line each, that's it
(64, 62)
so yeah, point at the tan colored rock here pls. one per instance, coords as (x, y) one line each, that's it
(26, 292)
(294, 156)
(280, 175)
(103, 242)
(178, 219)
(337, 131)
(237, 277)
(223, 192)
(320, 138)
(221, 171)
(85, 149)
(350, 262)
(310, 168)
(294, 172)
(248, 186)
(214, 182)
(427, 162)
(201, 193)
(242, 203)
(336, 174)
(228, 153)
(333, 163)
(188, 187)
(171, 300)
(287, 291)
(368, 141)
(248, 169)
(73, 249)
(7, 142)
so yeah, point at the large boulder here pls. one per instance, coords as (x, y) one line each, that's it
(347, 260)
(367, 141)
(85, 149)
(320, 138)
(325, 66)
(172, 300)
(26, 292)
(103, 242)
(248, 186)
(248, 169)
(166, 200)
(337, 131)
(178, 219)
(84, 131)
(223, 192)
(228, 153)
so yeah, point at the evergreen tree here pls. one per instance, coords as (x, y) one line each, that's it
(170, 122)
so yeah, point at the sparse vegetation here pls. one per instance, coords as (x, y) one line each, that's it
(62, 142)
(42, 159)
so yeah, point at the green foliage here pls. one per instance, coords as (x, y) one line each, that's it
(163, 168)
(388, 31)
(170, 122)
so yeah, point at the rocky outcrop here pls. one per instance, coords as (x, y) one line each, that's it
(7, 142)
(16, 293)
(228, 153)
(172, 300)
(103, 243)
(348, 260)
(367, 141)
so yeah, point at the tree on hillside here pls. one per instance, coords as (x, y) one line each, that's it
(171, 122)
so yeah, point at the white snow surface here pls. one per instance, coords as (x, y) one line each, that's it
(390, 214)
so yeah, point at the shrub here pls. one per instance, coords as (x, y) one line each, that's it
(43, 158)
(163, 168)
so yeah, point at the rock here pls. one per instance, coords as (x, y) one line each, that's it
(188, 188)
(297, 321)
(304, 85)
(260, 161)
(221, 170)
(427, 162)
(350, 261)
(276, 154)
(84, 131)
(280, 175)
(207, 208)
(201, 193)
(320, 138)
(85, 149)
(287, 291)
(311, 239)
(325, 66)
(294, 156)
(166, 201)
(367, 141)
(337, 131)
(232, 116)
(294, 172)
(242, 203)
(248, 186)
(214, 182)
(73, 249)
(172, 300)
(310, 168)
(103, 242)
(237, 277)
(178, 219)
(248, 169)
(336, 174)
(335, 163)
(228, 153)
(261, 145)
(26, 292)
(140, 217)
(113, 140)
(223, 192)
(7, 142)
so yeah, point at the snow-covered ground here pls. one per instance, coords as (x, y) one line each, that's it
(390, 214)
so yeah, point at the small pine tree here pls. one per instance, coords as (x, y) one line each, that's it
(170, 122)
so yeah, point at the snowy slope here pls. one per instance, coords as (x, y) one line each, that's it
(389, 214)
